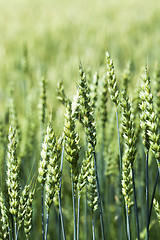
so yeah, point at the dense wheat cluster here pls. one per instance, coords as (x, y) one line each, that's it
(80, 120)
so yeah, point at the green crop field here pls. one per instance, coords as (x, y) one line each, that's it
(80, 119)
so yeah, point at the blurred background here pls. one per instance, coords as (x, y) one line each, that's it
(58, 34)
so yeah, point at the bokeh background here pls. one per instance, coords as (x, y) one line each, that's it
(59, 34)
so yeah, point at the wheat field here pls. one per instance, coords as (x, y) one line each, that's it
(80, 120)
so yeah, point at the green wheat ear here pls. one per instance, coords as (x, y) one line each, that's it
(28, 214)
(13, 120)
(157, 209)
(111, 164)
(84, 172)
(43, 101)
(13, 171)
(30, 132)
(4, 218)
(22, 205)
(47, 146)
(61, 96)
(126, 75)
(2, 154)
(157, 91)
(93, 88)
(149, 121)
(145, 100)
(89, 124)
(92, 188)
(103, 100)
(112, 83)
(130, 150)
(86, 109)
(72, 147)
(53, 174)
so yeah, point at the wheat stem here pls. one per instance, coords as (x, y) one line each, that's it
(86, 214)
(42, 199)
(147, 195)
(93, 229)
(47, 223)
(59, 196)
(74, 207)
(153, 195)
(59, 227)
(120, 167)
(9, 232)
(99, 197)
(78, 216)
(128, 224)
(135, 204)
(12, 228)
(15, 229)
